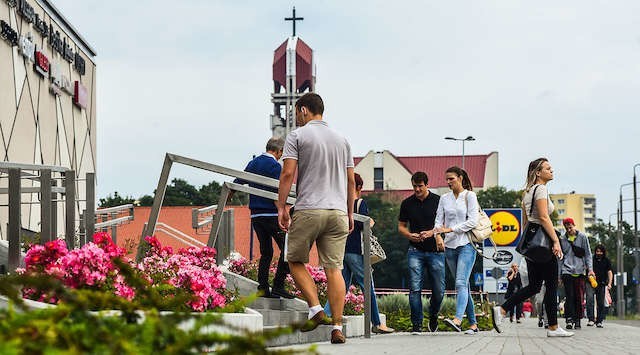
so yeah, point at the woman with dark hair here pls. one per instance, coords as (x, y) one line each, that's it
(538, 207)
(353, 263)
(604, 277)
(457, 215)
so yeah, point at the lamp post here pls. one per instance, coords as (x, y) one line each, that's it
(469, 138)
(636, 242)
(620, 259)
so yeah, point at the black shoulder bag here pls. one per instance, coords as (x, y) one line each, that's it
(535, 244)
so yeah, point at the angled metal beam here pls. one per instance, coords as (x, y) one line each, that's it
(157, 203)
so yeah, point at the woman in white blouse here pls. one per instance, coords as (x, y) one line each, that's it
(457, 215)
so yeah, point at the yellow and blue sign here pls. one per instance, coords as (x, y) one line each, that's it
(506, 225)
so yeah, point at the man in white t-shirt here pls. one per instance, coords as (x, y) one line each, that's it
(324, 207)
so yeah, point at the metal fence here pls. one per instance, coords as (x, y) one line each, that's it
(227, 187)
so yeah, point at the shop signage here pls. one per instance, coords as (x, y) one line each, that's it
(80, 96)
(27, 47)
(26, 11)
(12, 3)
(42, 63)
(8, 34)
(66, 84)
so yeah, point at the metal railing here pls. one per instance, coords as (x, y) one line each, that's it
(227, 187)
(48, 193)
(110, 217)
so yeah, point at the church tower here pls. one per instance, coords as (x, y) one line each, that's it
(294, 74)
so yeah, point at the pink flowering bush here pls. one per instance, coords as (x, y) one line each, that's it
(191, 271)
(354, 300)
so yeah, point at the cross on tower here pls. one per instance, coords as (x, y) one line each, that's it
(293, 19)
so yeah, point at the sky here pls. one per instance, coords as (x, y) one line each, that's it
(525, 78)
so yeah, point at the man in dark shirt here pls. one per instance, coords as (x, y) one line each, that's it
(416, 222)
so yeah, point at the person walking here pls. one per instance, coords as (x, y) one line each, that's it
(353, 263)
(576, 263)
(538, 207)
(515, 284)
(604, 278)
(264, 220)
(527, 308)
(324, 207)
(416, 222)
(458, 213)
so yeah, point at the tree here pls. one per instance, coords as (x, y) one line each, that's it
(499, 197)
(180, 193)
(115, 200)
(146, 200)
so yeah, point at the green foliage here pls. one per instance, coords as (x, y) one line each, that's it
(499, 197)
(137, 328)
(115, 200)
(396, 308)
(393, 271)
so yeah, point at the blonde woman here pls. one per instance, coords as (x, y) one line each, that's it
(538, 207)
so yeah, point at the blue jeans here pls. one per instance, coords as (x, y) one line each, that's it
(434, 262)
(460, 261)
(353, 270)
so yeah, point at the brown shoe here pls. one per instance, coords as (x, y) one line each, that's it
(315, 321)
(337, 337)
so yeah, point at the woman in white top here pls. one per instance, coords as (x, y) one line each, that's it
(537, 207)
(457, 215)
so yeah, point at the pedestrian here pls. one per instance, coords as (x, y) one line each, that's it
(264, 220)
(458, 213)
(604, 278)
(527, 308)
(515, 284)
(324, 207)
(426, 250)
(577, 262)
(353, 263)
(538, 207)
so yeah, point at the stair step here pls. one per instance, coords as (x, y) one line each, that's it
(283, 304)
(320, 334)
(272, 317)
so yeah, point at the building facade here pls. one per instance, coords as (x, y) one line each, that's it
(47, 99)
(580, 207)
(382, 171)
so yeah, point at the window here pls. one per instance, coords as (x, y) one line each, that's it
(378, 179)
(561, 211)
(561, 201)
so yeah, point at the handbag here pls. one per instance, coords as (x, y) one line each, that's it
(481, 231)
(535, 244)
(377, 253)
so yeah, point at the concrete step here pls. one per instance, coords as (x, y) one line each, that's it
(283, 304)
(322, 333)
(282, 318)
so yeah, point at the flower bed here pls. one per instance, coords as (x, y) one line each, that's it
(191, 273)
(354, 299)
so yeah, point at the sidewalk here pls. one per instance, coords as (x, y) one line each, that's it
(525, 338)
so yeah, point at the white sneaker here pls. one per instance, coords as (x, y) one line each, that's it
(559, 332)
(496, 318)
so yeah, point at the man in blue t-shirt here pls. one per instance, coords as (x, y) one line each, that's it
(264, 219)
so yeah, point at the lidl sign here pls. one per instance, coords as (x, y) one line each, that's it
(506, 225)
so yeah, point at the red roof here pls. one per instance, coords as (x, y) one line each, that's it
(435, 166)
(179, 217)
(304, 65)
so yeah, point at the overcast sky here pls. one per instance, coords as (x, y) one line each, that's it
(559, 79)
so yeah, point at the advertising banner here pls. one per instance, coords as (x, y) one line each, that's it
(507, 227)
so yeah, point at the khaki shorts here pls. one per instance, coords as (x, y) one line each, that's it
(328, 228)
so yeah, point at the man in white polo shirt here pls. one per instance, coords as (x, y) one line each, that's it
(324, 207)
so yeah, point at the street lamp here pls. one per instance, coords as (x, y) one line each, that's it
(469, 138)
(636, 242)
(620, 242)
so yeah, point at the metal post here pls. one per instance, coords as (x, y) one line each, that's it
(636, 242)
(463, 154)
(215, 226)
(157, 203)
(82, 228)
(225, 243)
(70, 208)
(114, 228)
(13, 230)
(620, 262)
(90, 214)
(45, 206)
(366, 251)
(54, 211)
